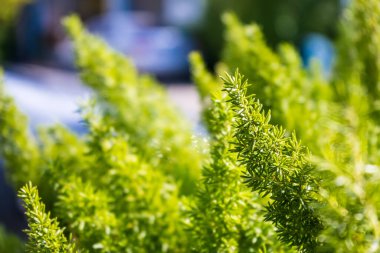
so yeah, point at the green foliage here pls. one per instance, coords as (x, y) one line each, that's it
(206, 83)
(226, 217)
(138, 106)
(106, 197)
(122, 198)
(274, 75)
(108, 193)
(10, 242)
(359, 46)
(276, 166)
(207, 86)
(137, 181)
(10, 8)
(18, 147)
(336, 120)
(44, 232)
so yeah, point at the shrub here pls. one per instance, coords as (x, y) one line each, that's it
(141, 181)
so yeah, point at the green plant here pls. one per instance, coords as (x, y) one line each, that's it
(225, 216)
(44, 233)
(140, 181)
(277, 166)
(18, 147)
(131, 101)
(336, 119)
(9, 242)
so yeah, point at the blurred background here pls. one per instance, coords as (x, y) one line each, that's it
(157, 34)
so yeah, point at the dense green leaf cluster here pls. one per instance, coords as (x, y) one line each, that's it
(18, 147)
(277, 166)
(10, 243)
(225, 216)
(336, 120)
(44, 232)
(100, 190)
(140, 181)
(138, 106)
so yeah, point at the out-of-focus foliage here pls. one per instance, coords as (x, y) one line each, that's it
(18, 147)
(138, 106)
(10, 243)
(281, 20)
(274, 75)
(358, 63)
(8, 11)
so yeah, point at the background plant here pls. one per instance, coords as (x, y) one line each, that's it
(289, 20)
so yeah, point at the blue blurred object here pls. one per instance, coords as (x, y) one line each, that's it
(161, 50)
(30, 31)
(11, 214)
(318, 47)
(184, 13)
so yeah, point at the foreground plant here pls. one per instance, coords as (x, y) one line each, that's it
(44, 233)
(276, 166)
(226, 216)
(335, 119)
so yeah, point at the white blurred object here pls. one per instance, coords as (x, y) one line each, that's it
(44, 105)
(50, 96)
(183, 13)
(160, 50)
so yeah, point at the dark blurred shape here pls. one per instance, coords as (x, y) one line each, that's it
(11, 213)
(281, 20)
(8, 11)
(38, 28)
(150, 32)
(29, 41)
(156, 33)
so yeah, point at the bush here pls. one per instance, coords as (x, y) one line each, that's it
(141, 181)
